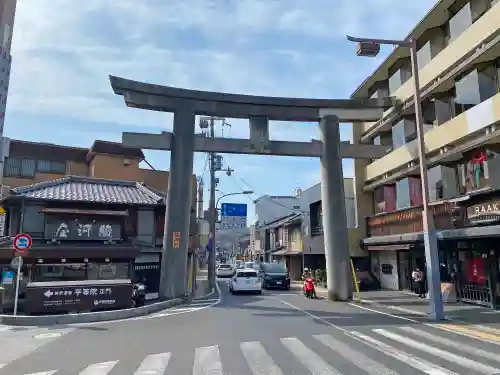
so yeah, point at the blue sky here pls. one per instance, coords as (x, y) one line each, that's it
(64, 50)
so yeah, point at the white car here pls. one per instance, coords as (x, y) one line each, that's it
(245, 280)
(224, 270)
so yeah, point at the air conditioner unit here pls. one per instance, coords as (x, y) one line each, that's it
(126, 162)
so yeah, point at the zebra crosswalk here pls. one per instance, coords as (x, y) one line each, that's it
(380, 351)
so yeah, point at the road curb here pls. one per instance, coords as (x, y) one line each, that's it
(92, 317)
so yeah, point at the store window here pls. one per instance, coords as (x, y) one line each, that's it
(109, 271)
(61, 272)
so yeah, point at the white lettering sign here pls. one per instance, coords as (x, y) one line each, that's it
(487, 209)
(105, 230)
(84, 229)
(62, 231)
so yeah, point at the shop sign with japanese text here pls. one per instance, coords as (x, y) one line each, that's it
(76, 298)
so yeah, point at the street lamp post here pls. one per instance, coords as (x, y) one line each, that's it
(213, 221)
(370, 48)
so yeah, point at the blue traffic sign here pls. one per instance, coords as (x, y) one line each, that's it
(234, 209)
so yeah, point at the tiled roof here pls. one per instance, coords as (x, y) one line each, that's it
(96, 190)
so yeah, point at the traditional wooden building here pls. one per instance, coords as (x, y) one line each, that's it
(87, 228)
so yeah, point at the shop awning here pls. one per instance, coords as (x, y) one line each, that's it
(406, 238)
(72, 252)
(279, 253)
(409, 239)
(389, 247)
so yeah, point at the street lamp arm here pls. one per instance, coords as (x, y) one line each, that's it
(401, 43)
(229, 194)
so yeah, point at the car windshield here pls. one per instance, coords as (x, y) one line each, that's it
(247, 274)
(275, 268)
(224, 266)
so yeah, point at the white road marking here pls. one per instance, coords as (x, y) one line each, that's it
(411, 360)
(453, 358)
(102, 368)
(309, 359)
(47, 335)
(362, 361)
(44, 373)
(453, 344)
(258, 360)
(155, 364)
(207, 361)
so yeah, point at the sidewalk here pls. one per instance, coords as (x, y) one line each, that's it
(408, 303)
(201, 283)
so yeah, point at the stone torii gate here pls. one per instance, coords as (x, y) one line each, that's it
(183, 142)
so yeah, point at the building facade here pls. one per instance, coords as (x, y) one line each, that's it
(459, 68)
(86, 229)
(312, 224)
(31, 164)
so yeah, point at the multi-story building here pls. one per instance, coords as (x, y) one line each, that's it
(312, 225)
(7, 15)
(459, 69)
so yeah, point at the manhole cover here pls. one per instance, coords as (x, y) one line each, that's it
(47, 335)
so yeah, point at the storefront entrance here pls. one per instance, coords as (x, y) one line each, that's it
(408, 260)
(474, 269)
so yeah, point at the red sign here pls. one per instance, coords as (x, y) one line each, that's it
(476, 272)
(22, 242)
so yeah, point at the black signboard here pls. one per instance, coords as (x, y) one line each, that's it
(81, 229)
(78, 296)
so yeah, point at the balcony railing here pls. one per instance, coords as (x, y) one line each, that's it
(446, 216)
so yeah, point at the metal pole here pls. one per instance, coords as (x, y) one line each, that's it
(430, 238)
(213, 212)
(16, 295)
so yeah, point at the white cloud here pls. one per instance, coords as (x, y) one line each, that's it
(63, 51)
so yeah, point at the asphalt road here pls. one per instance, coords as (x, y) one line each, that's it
(273, 334)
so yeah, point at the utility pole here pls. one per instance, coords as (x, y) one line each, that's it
(213, 211)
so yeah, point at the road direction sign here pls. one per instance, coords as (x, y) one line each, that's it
(234, 216)
(22, 242)
(234, 209)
